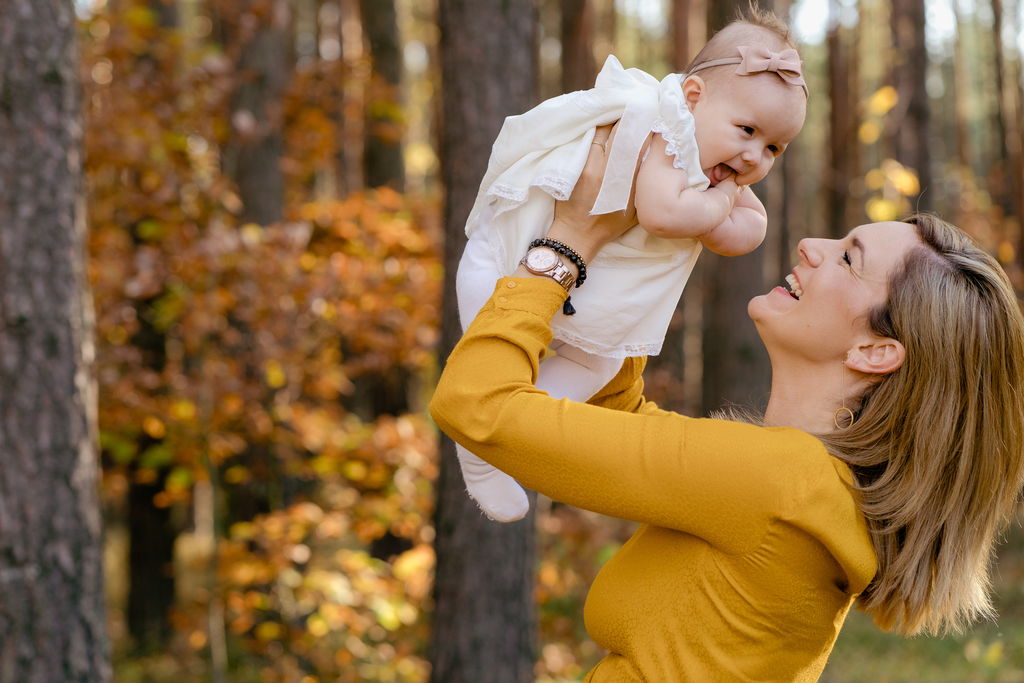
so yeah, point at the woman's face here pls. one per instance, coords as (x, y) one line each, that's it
(822, 311)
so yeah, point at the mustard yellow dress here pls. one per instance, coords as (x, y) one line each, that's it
(750, 550)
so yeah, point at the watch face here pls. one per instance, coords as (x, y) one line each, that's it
(541, 259)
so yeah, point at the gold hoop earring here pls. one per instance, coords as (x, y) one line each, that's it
(846, 412)
(843, 411)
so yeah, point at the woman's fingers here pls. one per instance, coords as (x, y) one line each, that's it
(573, 223)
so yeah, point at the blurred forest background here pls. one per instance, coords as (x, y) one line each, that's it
(275, 192)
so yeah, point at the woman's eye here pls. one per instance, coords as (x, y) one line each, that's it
(846, 257)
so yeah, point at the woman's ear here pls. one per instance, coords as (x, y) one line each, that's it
(693, 89)
(877, 357)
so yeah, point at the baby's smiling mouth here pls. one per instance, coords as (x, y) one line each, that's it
(720, 173)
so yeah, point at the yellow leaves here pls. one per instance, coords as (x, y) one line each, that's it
(102, 72)
(1006, 252)
(414, 569)
(183, 410)
(876, 107)
(882, 100)
(251, 234)
(869, 132)
(991, 654)
(274, 374)
(879, 209)
(893, 183)
(269, 630)
(154, 427)
(197, 640)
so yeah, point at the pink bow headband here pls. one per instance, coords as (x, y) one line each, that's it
(757, 59)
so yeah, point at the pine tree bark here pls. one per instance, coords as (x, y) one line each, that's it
(52, 617)
(842, 124)
(483, 629)
(908, 128)
(253, 157)
(736, 369)
(578, 66)
(383, 149)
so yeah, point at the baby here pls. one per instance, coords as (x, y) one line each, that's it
(689, 147)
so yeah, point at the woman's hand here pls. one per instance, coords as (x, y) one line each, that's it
(573, 224)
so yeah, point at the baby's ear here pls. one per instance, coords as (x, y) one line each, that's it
(693, 90)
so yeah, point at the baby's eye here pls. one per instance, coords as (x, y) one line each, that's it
(846, 257)
(749, 130)
(774, 149)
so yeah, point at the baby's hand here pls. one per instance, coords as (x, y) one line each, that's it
(730, 189)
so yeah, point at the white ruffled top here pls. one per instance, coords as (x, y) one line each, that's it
(634, 284)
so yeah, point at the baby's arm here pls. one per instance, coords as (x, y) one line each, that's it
(727, 218)
(743, 229)
(666, 207)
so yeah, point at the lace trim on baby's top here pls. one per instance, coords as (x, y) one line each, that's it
(676, 126)
(558, 187)
(605, 350)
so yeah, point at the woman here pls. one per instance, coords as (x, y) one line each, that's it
(891, 454)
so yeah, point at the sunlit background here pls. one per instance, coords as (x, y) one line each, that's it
(268, 290)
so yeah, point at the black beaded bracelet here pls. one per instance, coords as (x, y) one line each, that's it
(566, 251)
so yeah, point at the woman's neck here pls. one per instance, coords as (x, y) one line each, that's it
(806, 397)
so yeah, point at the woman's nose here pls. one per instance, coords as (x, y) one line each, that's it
(810, 250)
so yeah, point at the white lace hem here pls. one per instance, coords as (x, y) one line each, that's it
(606, 350)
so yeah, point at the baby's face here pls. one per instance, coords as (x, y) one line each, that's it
(743, 123)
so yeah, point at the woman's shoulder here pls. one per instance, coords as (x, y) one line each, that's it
(793, 461)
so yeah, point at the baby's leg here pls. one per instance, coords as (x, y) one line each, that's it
(575, 374)
(497, 494)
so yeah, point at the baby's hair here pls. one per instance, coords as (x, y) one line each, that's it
(756, 26)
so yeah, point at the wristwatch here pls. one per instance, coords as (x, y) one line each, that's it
(546, 261)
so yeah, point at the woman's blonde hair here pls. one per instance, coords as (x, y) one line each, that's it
(937, 447)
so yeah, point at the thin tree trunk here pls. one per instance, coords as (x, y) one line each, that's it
(909, 124)
(736, 369)
(578, 66)
(1008, 126)
(253, 158)
(961, 80)
(52, 616)
(384, 126)
(351, 140)
(837, 179)
(151, 532)
(668, 378)
(483, 629)
(681, 48)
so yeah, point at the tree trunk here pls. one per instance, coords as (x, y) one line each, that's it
(52, 616)
(383, 160)
(842, 124)
(961, 81)
(1008, 126)
(668, 380)
(151, 533)
(909, 124)
(736, 369)
(253, 157)
(689, 31)
(483, 629)
(578, 66)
